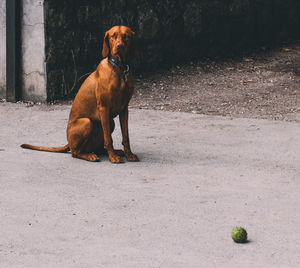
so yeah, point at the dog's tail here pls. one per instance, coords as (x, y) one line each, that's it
(62, 149)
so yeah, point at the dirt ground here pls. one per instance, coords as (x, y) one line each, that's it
(265, 84)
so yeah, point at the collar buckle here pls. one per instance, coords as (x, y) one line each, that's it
(126, 72)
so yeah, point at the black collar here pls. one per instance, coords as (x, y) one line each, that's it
(120, 65)
(116, 63)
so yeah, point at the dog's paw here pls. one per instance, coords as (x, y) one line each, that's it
(88, 157)
(115, 159)
(132, 157)
(93, 157)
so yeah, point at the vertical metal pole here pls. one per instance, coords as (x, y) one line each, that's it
(13, 50)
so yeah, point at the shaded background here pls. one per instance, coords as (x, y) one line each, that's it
(168, 32)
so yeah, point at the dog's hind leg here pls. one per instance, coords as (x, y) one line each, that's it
(84, 139)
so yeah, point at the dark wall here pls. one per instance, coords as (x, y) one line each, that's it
(169, 31)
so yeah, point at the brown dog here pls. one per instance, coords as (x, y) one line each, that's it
(103, 95)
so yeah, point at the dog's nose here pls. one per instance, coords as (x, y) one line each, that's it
(119, 45)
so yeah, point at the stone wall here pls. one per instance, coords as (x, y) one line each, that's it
(169, 31)
(2, 49)
(73, 33)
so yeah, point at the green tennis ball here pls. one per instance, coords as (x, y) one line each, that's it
(239, 235)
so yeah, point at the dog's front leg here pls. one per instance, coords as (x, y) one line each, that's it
(108, 143)
(124, 128)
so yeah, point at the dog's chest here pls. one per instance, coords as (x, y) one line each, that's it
(120, 97)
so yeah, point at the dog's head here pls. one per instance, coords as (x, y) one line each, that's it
(120, 43)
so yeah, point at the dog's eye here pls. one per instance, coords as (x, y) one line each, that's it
(125, 36)
(113, 36)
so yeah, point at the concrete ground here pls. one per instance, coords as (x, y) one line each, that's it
(198, 178)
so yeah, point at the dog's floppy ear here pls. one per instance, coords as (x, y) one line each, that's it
(133, 46)
(105, 48)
